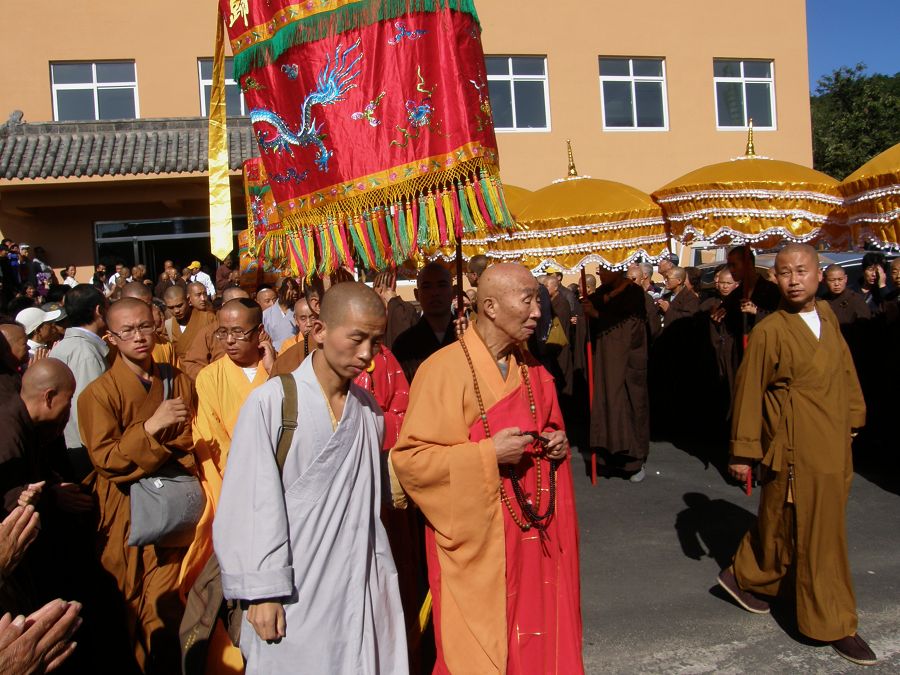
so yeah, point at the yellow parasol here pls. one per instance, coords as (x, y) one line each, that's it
(755, 200)
(872, 199)
(580, 220)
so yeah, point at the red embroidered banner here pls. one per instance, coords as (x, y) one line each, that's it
(374, 125)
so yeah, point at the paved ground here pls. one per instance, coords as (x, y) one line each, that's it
(649, 556)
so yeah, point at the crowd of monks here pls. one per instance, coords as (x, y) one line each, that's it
(387, 487)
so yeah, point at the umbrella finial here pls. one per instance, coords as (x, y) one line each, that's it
(751, 150)
(573, 172)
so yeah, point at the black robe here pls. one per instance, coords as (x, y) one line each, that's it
(417, 343)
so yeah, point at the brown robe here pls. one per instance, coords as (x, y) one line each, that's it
(288, 361)
(111, 415)
(620, 422)
(182, 340)
(848, 306)
(683, 305)
(654, 321)
(796, 401)
(203, 350)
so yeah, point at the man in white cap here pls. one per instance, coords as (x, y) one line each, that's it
(40, 330)
(200, 277)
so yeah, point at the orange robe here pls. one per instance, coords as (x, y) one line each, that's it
(222, 388)
(182, 340)
(505, 600)
(111, 415)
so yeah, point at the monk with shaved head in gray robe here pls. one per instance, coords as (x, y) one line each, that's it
(306, 549)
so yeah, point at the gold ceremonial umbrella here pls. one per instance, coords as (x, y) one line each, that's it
(872, 199)
(755, 200)
(581, 220)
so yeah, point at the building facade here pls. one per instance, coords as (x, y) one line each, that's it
(109, 155)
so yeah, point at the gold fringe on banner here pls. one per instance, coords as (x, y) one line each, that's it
(220, 237)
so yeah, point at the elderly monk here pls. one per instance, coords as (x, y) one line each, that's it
(222, 388)
(322, 590)
(303, 317)
(186, 323)
(484, 454)
(163, 351)
(131, 430)
(797, 402)
(206, 348)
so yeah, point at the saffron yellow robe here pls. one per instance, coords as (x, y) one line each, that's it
(222, 387)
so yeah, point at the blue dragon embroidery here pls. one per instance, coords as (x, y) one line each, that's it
(402, 32)
(332, 84)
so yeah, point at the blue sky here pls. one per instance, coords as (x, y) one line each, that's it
(845, 32)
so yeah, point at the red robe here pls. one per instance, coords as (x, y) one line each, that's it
(505, 600)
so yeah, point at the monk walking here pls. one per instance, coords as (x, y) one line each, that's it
(305, 547)
(797, 402)
(205, 348)
(484, 454)
(131, 431)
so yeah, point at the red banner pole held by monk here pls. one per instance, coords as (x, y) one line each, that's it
(460, 305)
(590, 373)
(748, 270)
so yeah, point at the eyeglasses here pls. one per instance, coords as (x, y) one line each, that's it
(236, 333)
(129, 333)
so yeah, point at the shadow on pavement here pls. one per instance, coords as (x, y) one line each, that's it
(711, 527)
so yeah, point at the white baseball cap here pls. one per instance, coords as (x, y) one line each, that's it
(34, 317)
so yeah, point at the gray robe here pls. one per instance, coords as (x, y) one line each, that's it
(312, 536)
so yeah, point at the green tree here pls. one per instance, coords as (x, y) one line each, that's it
(855, 116)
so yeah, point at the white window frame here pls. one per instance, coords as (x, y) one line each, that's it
(228, 81)
(632, 78)
(512, 79)
(744, 81)
(94, 86)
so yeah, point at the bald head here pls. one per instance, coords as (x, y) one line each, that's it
(804, 250)
(433, 272)
(266, 297)
(47, 374)
(477, 265)
(47, 389)
(138, 291)
(350, 299)
(233, 293)
(174, 293)
(244, 310)
(196, 287)
(508, 306)
(130, 309)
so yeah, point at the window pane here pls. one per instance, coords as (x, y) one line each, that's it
(759, 103)
(647, 67)
(614, 67)
(229, 69)
(531, 111)
(497, 65)
(522, 65)
(205, 69)
(233, 100)
(726, 68)
(75, 104)
(649, 101)
(730, 104)
(72, 73)
(207, 92)
(757, 69)
(501, 103)
(617, 104)
(116, 104)
(115, 72)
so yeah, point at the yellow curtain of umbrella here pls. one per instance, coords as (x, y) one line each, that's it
(756, 200)
(579, 221)
(872, 199)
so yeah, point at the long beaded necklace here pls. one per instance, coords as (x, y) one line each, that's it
(531, 516)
